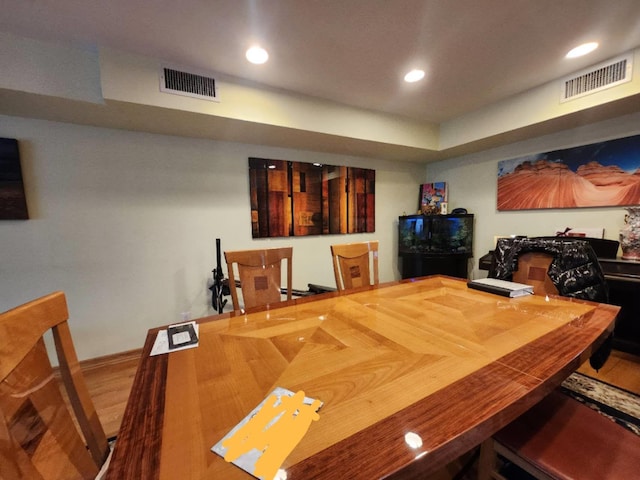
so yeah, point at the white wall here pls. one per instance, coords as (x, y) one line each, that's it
(125, 223)
(531, 107)
(472, 184)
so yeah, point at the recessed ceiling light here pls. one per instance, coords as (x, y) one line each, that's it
(257, 55)
(582, 50)
(414, 76)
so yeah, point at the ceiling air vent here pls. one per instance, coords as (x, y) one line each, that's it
(599, 77)
(188, 84)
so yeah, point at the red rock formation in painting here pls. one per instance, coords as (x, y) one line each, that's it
(605, 176)
(545, 184)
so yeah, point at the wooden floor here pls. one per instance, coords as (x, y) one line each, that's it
(621, 369)
(110, 379)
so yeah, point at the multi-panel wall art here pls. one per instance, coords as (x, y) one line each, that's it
(594, 175)
(13, 202)
(295, 199)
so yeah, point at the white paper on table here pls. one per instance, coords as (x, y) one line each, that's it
(247, 461)
(161, 344)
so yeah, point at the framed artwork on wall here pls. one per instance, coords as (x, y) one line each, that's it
(596, 175)
(433, 198)
(13, 201)
(297, 199)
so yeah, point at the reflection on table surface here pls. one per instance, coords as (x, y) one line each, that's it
(412, 374)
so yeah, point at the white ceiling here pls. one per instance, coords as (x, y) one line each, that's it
(475, 52)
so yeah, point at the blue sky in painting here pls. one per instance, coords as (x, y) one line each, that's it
(623, 152)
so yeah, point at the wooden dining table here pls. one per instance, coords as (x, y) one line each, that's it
(412, 374)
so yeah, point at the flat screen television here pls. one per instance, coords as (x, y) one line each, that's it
(436, 234)
(13, 202)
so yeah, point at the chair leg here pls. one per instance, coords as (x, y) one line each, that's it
(487, 461)
(488, 465)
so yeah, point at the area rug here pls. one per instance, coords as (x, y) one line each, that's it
(619, 405)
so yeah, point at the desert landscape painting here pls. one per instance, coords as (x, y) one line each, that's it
(594, 175)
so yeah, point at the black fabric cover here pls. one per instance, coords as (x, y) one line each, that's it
(574, 270)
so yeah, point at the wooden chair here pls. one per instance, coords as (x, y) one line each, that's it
(351, 264)
(38, 436)
(532, 270)
(559, 438)
(259, 272)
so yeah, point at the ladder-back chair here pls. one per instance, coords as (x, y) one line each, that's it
(353, 264)
(260, 275)
(560, 438)
(38, 437)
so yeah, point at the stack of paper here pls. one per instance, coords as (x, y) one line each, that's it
(501, 287)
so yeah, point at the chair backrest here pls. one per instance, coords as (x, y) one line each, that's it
(574, 269)
(38, 436)
(532, 270)
(351, 264)
(260, 275)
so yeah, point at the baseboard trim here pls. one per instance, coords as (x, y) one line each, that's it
(112, 359)
(105, 361)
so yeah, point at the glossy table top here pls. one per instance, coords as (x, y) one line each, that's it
(428, 356)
